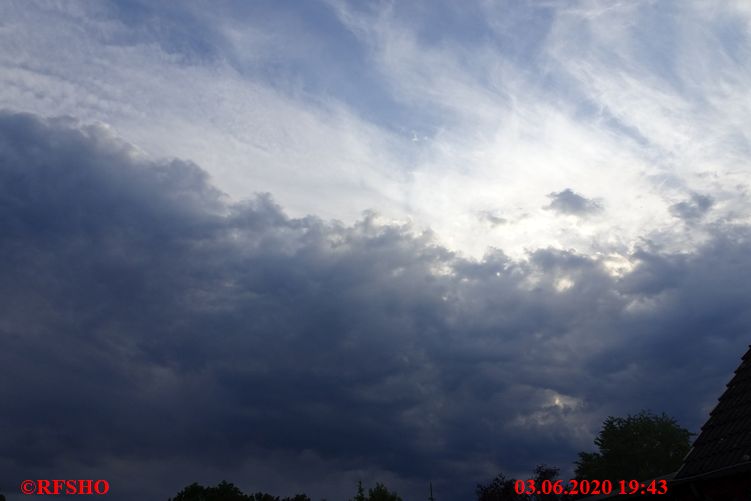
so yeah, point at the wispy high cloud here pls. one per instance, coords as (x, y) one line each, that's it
(375, 107)
(584, 100)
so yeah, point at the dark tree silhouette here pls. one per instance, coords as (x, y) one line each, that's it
(499, 489)
(360, 496)
(226, 491)
(377, 493)
(262, 496)
(381, 493)
(638, 447)
(543, 472)
(502, 488)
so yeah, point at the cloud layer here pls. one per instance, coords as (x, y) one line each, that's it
(156, 332)
(424, 112)
(295, 245)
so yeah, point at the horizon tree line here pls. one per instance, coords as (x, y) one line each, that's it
(640, 447)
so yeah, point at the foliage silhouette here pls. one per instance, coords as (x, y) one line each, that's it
(360, 496)
(640, 447)
(381, 493)
(225, 491)
(502, 488)
(499, 489)
(377, 493)
(543, 472)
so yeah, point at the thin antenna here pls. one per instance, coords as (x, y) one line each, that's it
(431, 498)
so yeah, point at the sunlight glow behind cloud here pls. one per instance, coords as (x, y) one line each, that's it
(596, 106)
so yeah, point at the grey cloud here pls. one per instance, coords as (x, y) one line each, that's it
(492, 218)
(149, 321)
(693, 209)
(569, 202)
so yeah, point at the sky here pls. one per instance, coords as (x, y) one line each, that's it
(297, 244)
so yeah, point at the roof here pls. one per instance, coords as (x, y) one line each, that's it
(724, 443)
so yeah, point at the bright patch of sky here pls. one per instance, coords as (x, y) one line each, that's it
(591, 126)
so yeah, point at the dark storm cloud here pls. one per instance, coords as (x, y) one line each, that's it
(148, 322)
(569, 202)
(694, 208)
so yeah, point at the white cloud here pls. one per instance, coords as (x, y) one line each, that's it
(314, 154)
(604, 105)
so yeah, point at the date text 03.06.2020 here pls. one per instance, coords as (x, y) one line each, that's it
(591, 487)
